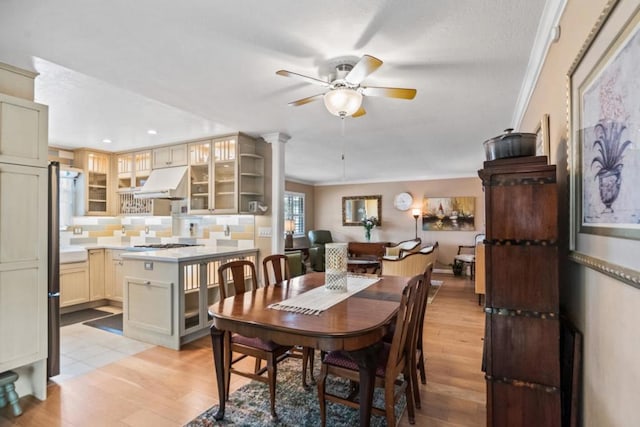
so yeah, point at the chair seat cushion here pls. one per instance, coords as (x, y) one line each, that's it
(465, 258)
(342, 360)
(254, 342)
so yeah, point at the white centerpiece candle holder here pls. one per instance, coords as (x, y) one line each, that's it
(336, 267)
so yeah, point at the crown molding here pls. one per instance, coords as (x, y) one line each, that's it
(548, 32)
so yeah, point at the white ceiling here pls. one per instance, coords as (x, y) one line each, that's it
(114, 69)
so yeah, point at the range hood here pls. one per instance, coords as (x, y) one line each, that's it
(165, 183)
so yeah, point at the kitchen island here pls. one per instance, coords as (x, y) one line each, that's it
(167, 292)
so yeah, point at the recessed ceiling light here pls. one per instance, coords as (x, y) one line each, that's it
(152, 132)
(107, 141)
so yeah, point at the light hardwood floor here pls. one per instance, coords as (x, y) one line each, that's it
(161, 387)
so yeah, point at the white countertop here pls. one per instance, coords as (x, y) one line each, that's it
(189, 253)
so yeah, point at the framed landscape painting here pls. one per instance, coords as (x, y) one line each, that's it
(448, 213)
(604, 142)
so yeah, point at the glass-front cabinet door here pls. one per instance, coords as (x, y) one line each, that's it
(225, 185)
(200, 177)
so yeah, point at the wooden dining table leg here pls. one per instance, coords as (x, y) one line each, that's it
(217, 342)
(367, 360)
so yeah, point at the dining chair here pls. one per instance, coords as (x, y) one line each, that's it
(276, 270)
(417, 353)
(394, 359)
(236, 276)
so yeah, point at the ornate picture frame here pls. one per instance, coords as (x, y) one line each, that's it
(604, 136)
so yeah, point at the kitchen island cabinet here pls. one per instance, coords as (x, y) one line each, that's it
(167, 293)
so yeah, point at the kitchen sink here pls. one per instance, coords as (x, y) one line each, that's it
(69, 254)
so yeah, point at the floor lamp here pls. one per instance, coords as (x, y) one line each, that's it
(416, 215)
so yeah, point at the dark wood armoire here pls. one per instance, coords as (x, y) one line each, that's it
(522, 338)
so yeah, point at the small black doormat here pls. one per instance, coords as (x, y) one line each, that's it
(82, 316)
(111, 324)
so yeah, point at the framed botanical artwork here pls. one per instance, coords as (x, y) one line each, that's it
(604, 145)
(543, 144)
(448, 213)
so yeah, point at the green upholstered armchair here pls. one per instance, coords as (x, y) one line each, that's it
(317, 240)
(296, 265)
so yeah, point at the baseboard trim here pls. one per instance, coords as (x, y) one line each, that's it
(443, 270)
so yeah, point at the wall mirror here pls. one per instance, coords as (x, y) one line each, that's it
(357, 208)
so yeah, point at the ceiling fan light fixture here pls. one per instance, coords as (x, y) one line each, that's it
(342, 101)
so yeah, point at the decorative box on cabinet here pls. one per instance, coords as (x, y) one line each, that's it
(522, 338)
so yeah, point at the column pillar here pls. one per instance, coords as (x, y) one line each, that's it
(277, 141)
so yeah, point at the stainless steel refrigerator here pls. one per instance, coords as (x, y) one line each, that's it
(53, 291)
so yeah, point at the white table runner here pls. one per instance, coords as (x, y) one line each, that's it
(320, 299)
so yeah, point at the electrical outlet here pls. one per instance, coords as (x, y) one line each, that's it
(264, 232)
(77, 230)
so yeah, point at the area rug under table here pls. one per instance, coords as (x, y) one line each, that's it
(295, 405)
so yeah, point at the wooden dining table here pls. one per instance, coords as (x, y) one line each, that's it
(355, 325)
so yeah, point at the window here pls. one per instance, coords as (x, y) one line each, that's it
(294, 209)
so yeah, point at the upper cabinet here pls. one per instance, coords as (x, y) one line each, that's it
(200, 165)
(97, 183)
(174, 155)
(23, 132)
(133, 169)
(225, 175)
(238, 173)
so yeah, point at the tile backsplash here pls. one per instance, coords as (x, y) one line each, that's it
(210, 230)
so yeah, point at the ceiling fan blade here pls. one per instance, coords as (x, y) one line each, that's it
(389, 92)
(367, 65)
(307, 79)
(306, 100)
(361, 112)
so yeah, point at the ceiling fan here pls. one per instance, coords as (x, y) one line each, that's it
(345, 94)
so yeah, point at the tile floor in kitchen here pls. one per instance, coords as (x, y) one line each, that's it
(85, 348)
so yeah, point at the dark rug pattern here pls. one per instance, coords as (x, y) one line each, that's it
(111, 323)
(81, 316)
(249, 405)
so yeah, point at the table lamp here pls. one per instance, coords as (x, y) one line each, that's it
(289, 228)
(416, 215)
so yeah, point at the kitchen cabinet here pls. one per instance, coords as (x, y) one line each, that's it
(96, 274)
(23, 132)
(74, 283)
(23, 239)
(200, 177)
(238, 170)
(113, 284)
(97, 180)
(133, 169)
(522, 327)
(174, 155)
